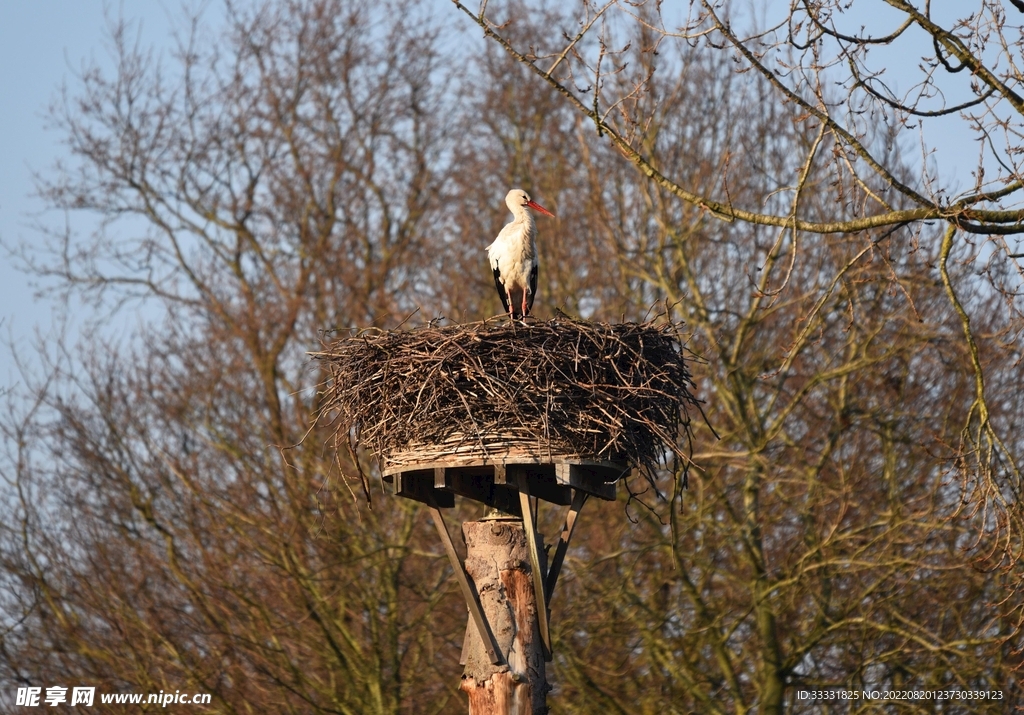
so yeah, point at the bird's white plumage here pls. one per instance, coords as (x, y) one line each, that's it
(513, 255)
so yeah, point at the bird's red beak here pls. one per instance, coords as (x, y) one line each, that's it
(537, 207)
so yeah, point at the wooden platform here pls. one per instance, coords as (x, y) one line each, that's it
(498, 484)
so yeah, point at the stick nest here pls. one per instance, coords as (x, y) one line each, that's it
(562, 387)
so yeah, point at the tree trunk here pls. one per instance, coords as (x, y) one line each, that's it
(498, 562)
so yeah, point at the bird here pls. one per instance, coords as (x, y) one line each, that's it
(513, 255)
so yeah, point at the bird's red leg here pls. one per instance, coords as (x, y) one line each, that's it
(524, 304)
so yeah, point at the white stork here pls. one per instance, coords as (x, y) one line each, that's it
(513, 256)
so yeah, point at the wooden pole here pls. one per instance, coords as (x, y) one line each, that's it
(498, 562)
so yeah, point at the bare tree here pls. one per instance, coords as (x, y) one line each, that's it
(838, 375)
(172, 525)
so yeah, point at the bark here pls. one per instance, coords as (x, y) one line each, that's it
(498, 564)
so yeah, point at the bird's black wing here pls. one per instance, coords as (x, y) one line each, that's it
(501, 288)
(533, 289)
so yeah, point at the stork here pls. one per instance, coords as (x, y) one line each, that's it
(513, 255)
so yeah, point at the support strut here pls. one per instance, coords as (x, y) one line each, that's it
(579, 498)
(538, 576)
(472, 602)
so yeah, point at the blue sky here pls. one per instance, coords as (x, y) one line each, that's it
(42, 45)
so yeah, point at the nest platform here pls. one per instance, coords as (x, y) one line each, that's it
(502, 411)
(484, 409)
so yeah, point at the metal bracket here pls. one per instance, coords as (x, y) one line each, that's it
(544, 583)
(472, 602)
(579, 498)
(539, 577)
